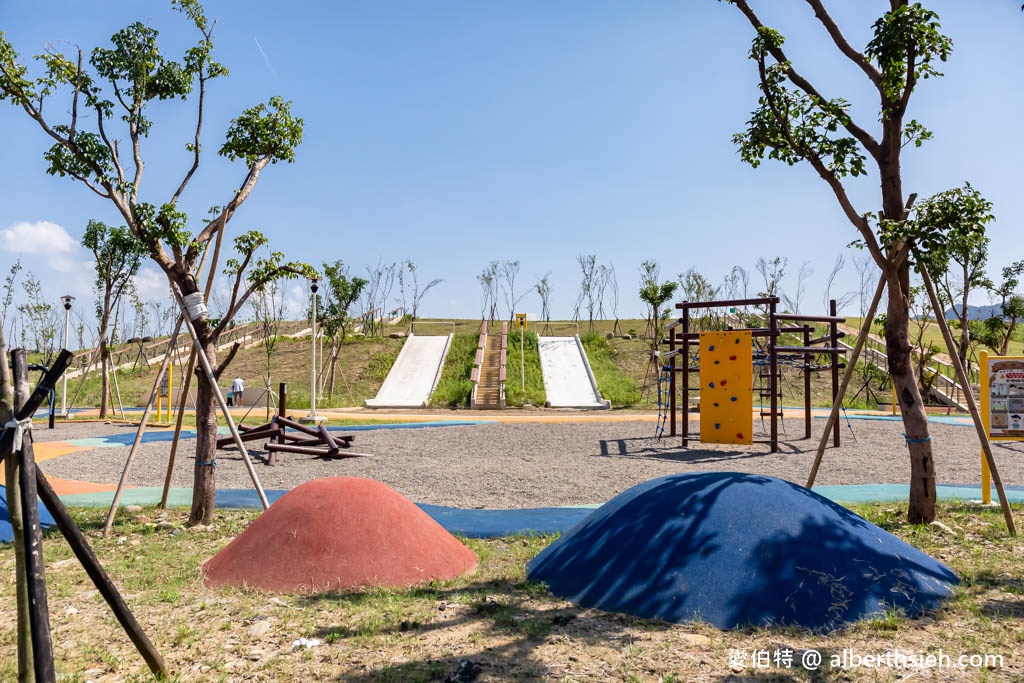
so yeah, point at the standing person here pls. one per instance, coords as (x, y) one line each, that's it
(237, 389)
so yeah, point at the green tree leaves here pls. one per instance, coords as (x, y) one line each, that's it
(906, 42)
(266, 131)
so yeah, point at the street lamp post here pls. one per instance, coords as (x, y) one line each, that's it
(312, 417)
(66, 299)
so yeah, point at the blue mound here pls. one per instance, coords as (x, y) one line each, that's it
(737, 550)
(6, 532)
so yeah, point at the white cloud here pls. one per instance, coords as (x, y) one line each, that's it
(151, 284)
(36, 237)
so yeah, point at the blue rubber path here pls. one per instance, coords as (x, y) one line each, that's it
(492, 523)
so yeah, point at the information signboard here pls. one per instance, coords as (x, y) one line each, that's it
(1002, 396)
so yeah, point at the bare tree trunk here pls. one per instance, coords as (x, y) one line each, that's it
(334, 362)
(1005, 348)
(915, 421)
(205, 484)
(105, 378)
(104, 357)
(965, 332)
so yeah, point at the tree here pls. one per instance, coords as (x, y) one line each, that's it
(772, 271)
(379, 282)
(841, 301)
(5, 304)
(267, 306)
(508, 271)
(417, 292)
(110, 95)
(340, 292)
(543, 288)
(693, 286)
(589, 278)
(795, 122)
(118, 255)
(795, 301)
(655, 295)
(999, 329)
(957, 263)
(39, 320)
(488, 279)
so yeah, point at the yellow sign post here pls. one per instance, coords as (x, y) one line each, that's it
(1002, 406)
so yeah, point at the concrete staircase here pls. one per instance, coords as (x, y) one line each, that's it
(489, 370)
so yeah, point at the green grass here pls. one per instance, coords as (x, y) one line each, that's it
(614, 384)
(454, 388)
(515, 393)
(495, 614)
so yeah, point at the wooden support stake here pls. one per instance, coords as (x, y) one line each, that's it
(807, 383)
(73, 534)
(833, 331)
(205, 363)
(33, 572)
(972, 404)
(837, 402)
(185, 387)
(99, 577)
(12, 472)
(773, 364)
(153, 394)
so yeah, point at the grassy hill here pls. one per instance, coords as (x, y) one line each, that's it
(625, 372)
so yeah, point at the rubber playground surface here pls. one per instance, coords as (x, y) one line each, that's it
(466, 522)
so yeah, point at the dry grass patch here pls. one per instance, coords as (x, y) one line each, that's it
(493, 626)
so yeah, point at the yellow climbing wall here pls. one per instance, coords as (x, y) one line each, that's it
(726, 387)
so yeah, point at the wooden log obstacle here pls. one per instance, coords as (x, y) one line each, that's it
(308, 440)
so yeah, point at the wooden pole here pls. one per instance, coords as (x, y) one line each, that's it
(12, 472)
(807, 383)
(773, 364)
(833, 331)
(153, 396)
(33, 572)
(185, 387)
(845, 383)
(205, 363)
(187, 375)
(99, 577)
(685, 426)
(73, 534)
(972, 404)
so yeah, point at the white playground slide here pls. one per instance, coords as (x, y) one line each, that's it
(414, 374)
(568, 379)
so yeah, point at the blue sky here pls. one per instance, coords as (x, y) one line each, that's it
(456, 133)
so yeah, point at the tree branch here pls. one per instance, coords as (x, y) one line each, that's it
(223, 365)
(199, 128)
(74, 98)
(844, 46)
(253, 286)
(864, 137)
(858, 220)
(225, 215)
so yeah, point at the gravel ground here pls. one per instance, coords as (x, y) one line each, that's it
(514, 465)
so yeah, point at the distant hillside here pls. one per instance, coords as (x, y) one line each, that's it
(976, 312)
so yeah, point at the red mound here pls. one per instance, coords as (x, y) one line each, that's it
(336, 534)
